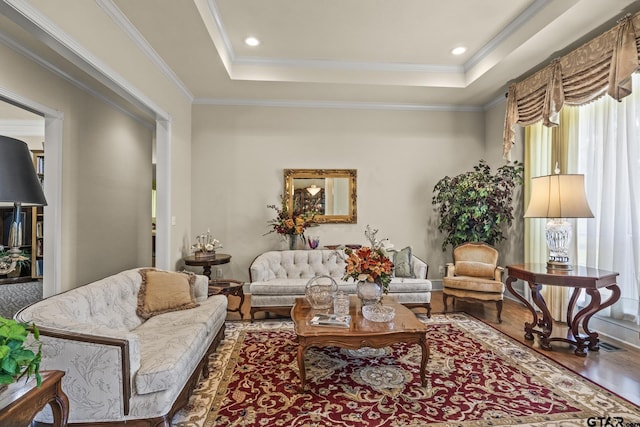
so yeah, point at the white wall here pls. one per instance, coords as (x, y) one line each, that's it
(105, 44)
(239, 153)
(106, 175)
(512, 248)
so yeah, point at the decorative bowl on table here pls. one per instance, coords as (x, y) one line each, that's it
(353, 246)
(378, 313)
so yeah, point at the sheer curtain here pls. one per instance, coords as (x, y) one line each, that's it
(609, 157)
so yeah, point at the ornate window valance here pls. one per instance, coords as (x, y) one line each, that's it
(601, 66)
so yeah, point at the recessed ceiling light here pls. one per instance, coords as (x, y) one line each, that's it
(458, 50)
(252, 41)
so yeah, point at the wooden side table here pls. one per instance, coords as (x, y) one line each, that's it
(589, 279)
(228, 287)
(206, 263)
(21, 401)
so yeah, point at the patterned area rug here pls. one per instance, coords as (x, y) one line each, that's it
(477, 376)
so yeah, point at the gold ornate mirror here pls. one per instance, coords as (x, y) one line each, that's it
(330, 192)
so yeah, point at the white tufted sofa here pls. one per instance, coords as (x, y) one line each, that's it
(279, 277)
(119, 367)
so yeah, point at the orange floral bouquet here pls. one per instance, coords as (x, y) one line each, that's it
(286, 224)
(369, 264)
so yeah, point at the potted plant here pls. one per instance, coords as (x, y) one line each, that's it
(23, 261)
(476, 205)
(17, 357)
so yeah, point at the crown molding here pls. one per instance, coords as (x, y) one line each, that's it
(41, 27)
(54, 37)
(505, 33)
(12, 44)
(132, 32)
(350, 65)
(287, 69)
(500, 99)
(344, 105)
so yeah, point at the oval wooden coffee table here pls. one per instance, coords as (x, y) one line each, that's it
(404, 328)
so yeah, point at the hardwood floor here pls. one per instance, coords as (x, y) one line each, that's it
(618, 371)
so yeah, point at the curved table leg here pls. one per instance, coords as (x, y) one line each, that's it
(301, 350)
(585, 313)
(593, 336)
(572, 305)
(60, 408)
(241, 303)
(546, 322)
(528, 327)
(425, 358)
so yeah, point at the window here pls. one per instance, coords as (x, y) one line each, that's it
(609, 157)
(602, 141)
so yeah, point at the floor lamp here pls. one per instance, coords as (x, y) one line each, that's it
(558, 197)
(19, 185)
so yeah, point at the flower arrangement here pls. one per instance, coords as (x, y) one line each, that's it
(369, 263)
(289, 224)
(206, 244)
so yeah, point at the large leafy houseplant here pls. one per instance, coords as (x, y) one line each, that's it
(16, 358)
(476, 205)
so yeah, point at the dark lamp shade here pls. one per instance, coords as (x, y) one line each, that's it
(19, 182)
(558, 196)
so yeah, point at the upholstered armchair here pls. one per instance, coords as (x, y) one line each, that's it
(474, 274)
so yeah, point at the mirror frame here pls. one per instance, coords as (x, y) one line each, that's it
(351, 174)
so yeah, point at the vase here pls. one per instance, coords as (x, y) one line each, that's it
(15, 272)
(369, 292)
(313, 242)
(205, 254)
(294, 241)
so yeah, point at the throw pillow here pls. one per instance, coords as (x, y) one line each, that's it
(403, 267)
(165, 291)
(475, 269)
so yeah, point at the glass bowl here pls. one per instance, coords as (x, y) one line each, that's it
(378, 312)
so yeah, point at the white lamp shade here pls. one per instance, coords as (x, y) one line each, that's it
(558, 196)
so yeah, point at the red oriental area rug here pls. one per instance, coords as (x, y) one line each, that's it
(477, 376)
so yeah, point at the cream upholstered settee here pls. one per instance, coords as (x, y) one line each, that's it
(119, 366)
(279, 277)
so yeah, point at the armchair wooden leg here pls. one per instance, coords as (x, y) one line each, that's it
(499, 307)
(445, 299)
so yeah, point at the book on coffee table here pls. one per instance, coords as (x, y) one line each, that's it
(342, 321)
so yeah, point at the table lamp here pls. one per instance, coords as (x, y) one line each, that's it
(19, 185)
(557, 197)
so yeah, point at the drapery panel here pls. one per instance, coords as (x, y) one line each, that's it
(602, 66)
